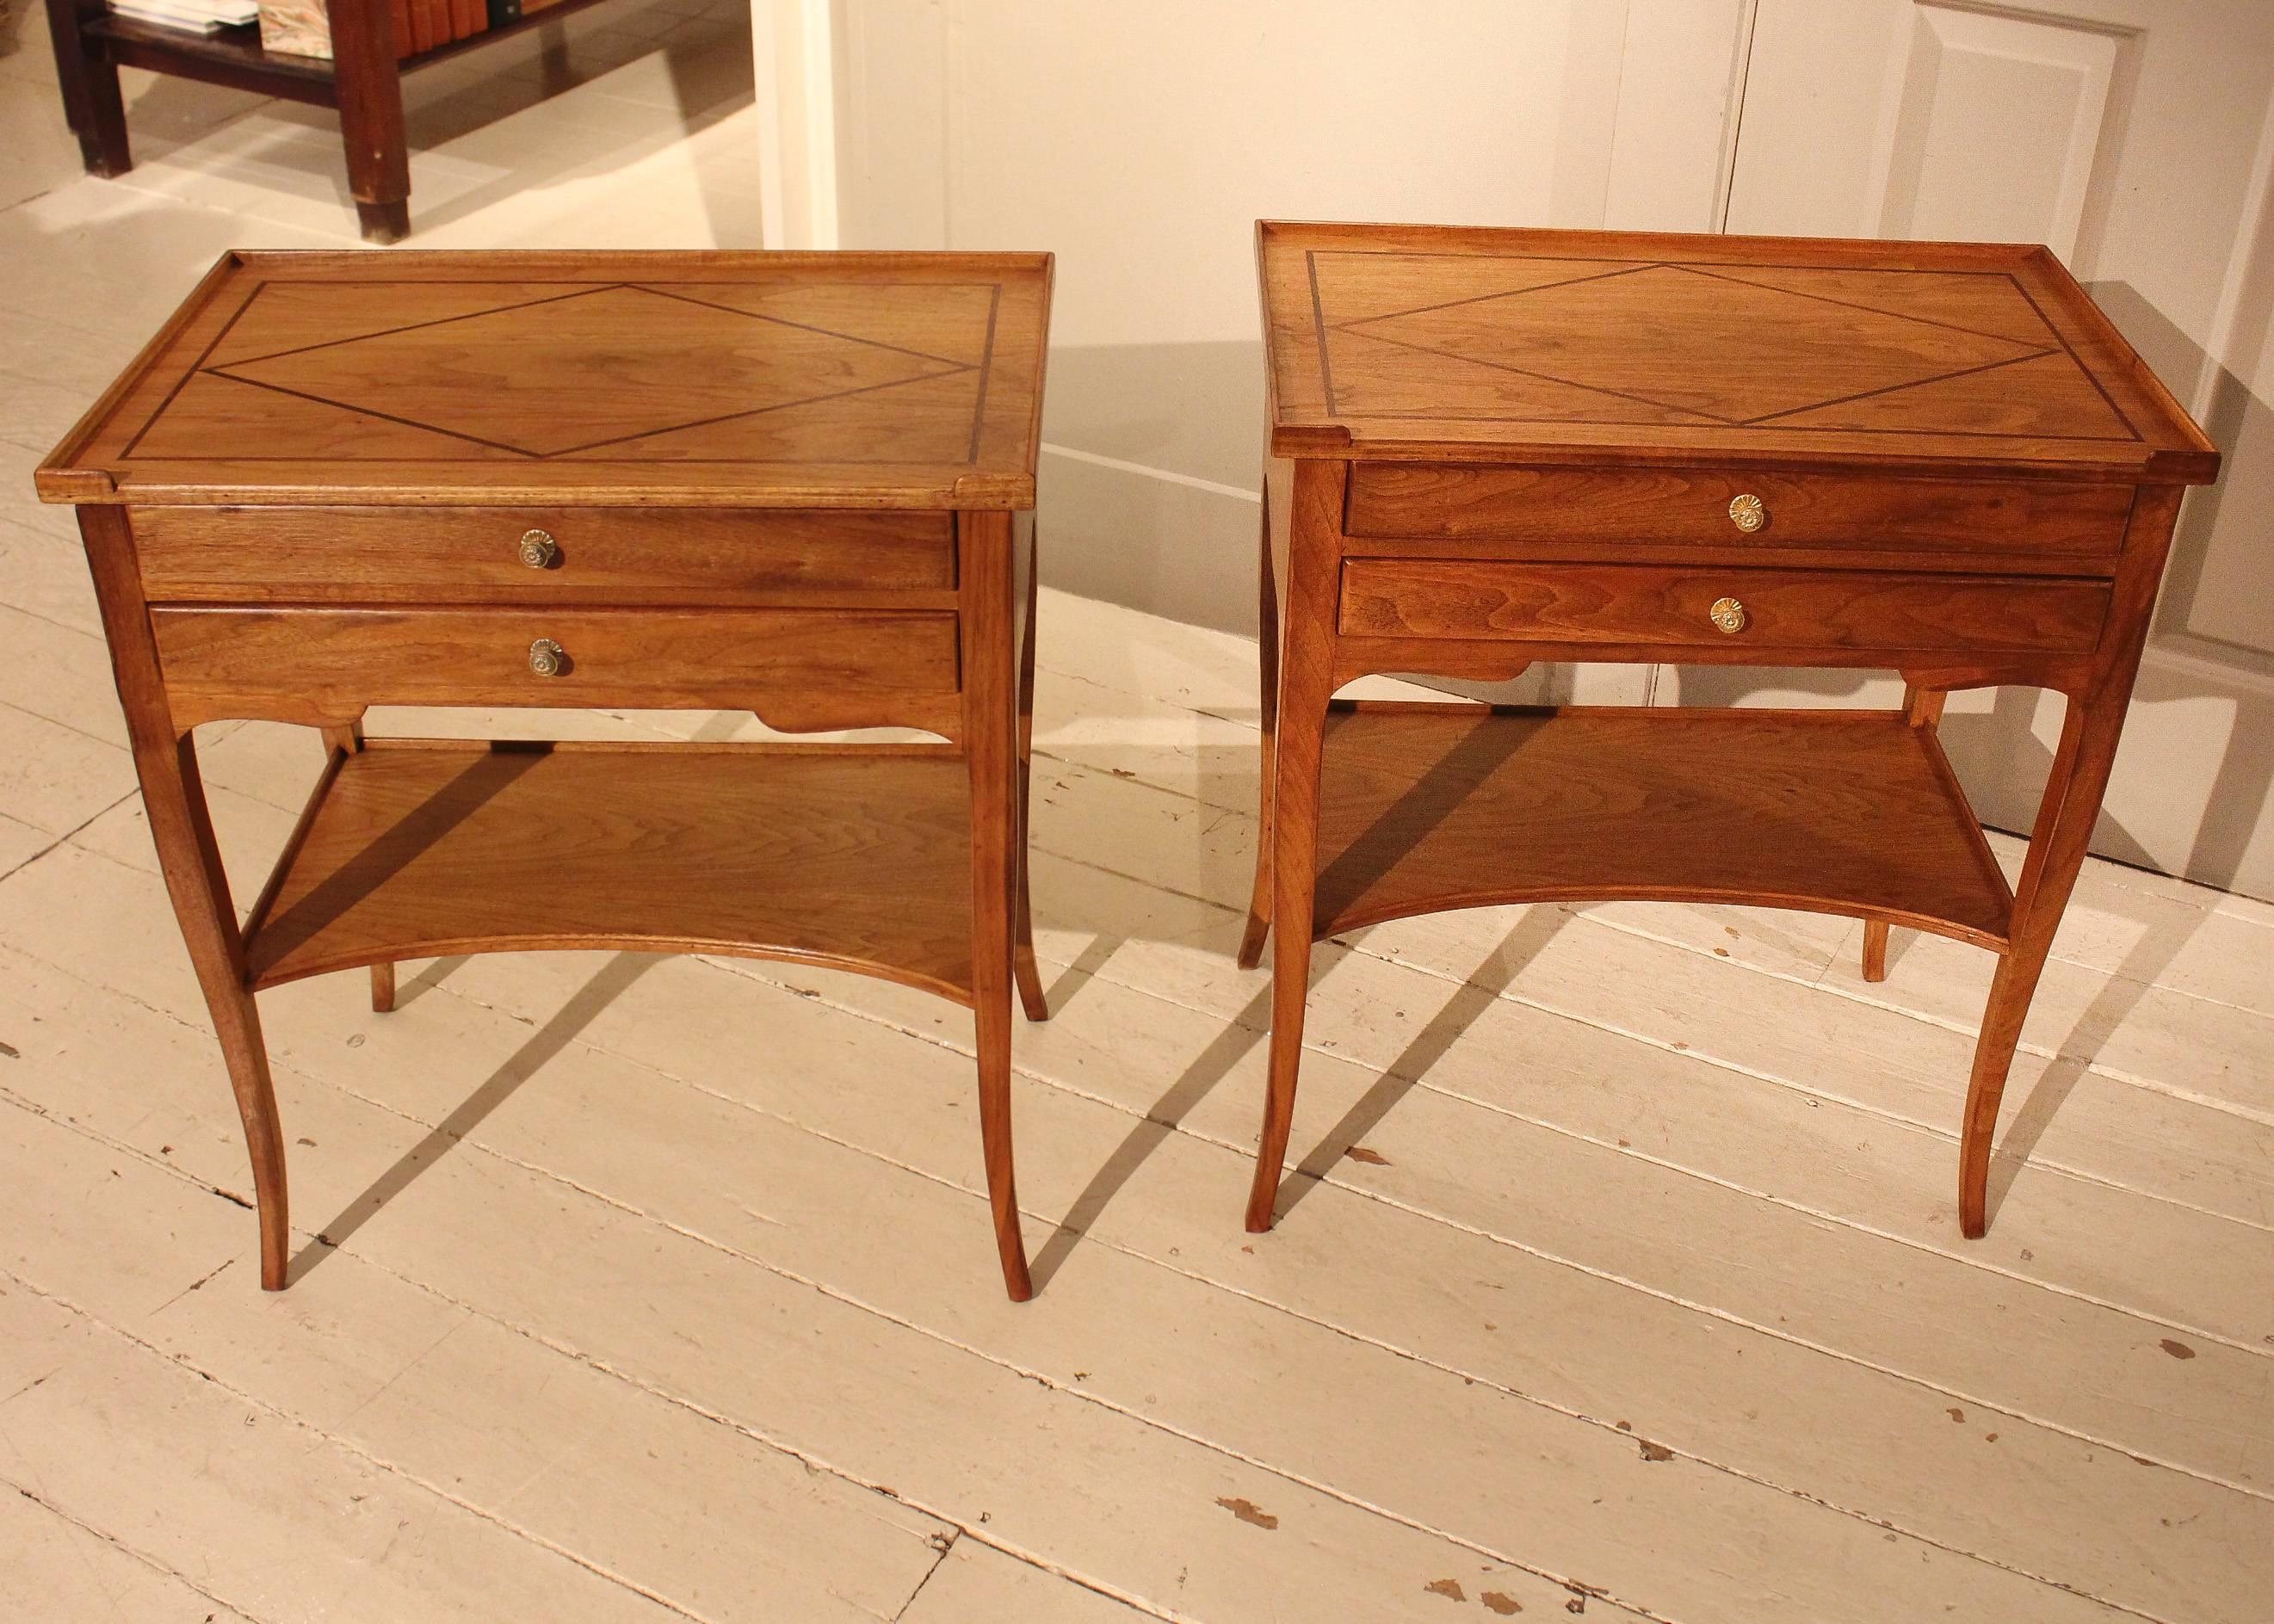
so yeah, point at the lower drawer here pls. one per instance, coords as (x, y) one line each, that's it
(1773, 609)
(302, 664)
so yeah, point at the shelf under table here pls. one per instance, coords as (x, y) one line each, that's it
(854, 856)
(1426, 807)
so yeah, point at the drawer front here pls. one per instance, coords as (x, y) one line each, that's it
(1761, 609)
(309, 662)
(478, 554)
(1693, 507)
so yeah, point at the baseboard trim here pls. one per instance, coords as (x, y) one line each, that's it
(1189, 481)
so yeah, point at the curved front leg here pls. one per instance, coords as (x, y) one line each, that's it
(1295, 749)
(2057, 851)
(1025, 970)
(2091, 727)
(990, 702)
(1267, 648)
(174, 800)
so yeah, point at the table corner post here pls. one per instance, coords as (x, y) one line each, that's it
(181, 829)
(2092, 724)
(1309, 589)
(990, 659)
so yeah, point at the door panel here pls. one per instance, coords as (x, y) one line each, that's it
(2133, 137)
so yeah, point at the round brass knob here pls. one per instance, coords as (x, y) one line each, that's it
(1728, 614)
(1747, 512)
(539, 549)
(546, 658)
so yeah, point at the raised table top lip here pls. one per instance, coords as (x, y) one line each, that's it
(997, 386)
(2163, 444)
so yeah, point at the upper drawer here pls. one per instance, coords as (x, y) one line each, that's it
(618, 554)
(1694, 506)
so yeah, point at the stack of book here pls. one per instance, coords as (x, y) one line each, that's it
(422, 25)
(303, 28)
(197, 16)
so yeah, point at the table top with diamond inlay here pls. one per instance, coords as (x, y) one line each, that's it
(1630, 348)
(787, 380)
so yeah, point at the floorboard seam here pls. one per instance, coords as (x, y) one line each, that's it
(1996, 1406)
(1738, 1069)
(938, 1563)
(65, 839)
(348, 1446)
(1355, 1336)
(847, 1299)
(143, 1557)
(753, 971)
(1044, 1379)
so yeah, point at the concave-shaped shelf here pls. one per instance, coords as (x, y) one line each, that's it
(859, 858)
(1426, 806)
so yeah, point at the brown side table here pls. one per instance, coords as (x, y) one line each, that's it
(796, 485)
(1493, 447)
(362, 83)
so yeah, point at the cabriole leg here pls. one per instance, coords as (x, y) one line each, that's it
(1027, 973)
(990, 702)
(1266, 644)
(174, 800)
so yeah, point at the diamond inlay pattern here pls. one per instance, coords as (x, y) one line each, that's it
(587, 369)
(1739, 346)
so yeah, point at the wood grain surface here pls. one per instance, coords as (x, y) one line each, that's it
(305, 663)
(419, 848)
(769, 379)
(1891, 616)
(1935, 458)
(1425, 807)
(608, 554)
(1947, 521)
(1611, 349)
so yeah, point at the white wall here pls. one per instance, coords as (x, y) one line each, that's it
(1140, 143)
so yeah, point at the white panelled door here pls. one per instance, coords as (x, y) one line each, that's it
(2135, 137)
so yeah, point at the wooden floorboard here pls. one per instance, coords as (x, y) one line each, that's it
(662, 1289)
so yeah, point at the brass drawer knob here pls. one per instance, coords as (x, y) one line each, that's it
(546, 657)
(1747, 512)
(539, 549)
(1728, 614)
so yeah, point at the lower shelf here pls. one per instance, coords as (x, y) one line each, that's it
(1423, 808)
(413, 848)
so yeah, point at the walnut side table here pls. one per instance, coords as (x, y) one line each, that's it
(1493, 447)
(796, 485)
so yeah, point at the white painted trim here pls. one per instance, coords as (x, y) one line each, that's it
(1732, 120)
(2217, 665)
(2221, 355)
(1189, 481)
(793, 46)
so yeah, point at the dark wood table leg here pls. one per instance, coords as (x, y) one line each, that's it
(350, 739)
(1923, 706)
(1028, 973)
(369, 90)
(990, 735)
(1306, 683)
(1267, 649)
(2058, 842)
(173, 798)
(89, 79)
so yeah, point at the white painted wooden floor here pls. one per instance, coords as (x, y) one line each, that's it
(1621, 1276)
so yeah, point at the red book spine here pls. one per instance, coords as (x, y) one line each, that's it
(399, 14)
